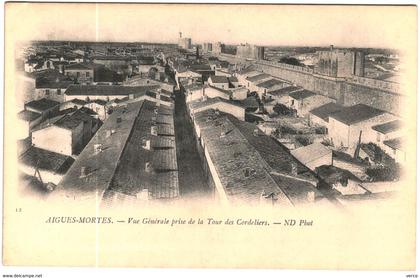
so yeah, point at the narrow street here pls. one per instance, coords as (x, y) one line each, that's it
(192, 180)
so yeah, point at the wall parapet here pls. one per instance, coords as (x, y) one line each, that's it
(388, 86)
(375, 83)
(285, 66)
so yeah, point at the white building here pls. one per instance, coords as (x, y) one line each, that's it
(66, 135)
(344, 127)
(26, 121)
(320, 115)
(386, 131)
(218, 104)
(313, 155)
(218, 81)
(304, 101)
(396, 148)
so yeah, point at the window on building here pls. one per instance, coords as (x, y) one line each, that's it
(78, 74)
(47, 92)
(87, 74)
(58, 91)
(293, 102)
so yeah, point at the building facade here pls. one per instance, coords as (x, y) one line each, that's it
(249, 51)
(340, 63)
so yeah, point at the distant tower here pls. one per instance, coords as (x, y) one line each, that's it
(197, 53)
(180, 35)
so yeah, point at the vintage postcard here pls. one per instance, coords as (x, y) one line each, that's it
(210, 136)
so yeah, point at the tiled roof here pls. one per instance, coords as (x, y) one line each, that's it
(164, 110)
(88, 111)
(233, 79)
(389, 126)
(258, 77)
(165, 130)
(226, 92)
(249, 102)
(270, 83)
(332, 174)
(326, 110)
(250, 165)
(28, 115)
(199, 103)
(247, 70)
(284, 91)
(104, 74)
(78, 101)
(193, 86)
(164, 119)
(163, 142)
(107, 90)
(42, 104)
(124, 159)
(219, 79)
(131, 176)
(238, 166)
(311, 152)
(302, 94)
(164, 160)
(99, 175)
(200, 67)
(164, 185)
(46, 160)
(356, 113)
(72, 121)
(99, 101)
(396, 144)
(276, 155)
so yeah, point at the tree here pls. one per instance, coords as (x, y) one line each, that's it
(291, 61)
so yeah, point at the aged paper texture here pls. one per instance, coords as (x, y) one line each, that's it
(210, 136)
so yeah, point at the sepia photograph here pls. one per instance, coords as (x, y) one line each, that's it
(210, 135)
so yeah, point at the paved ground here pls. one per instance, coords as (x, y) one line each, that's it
(191, 175)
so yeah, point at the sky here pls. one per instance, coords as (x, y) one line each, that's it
(350, 26)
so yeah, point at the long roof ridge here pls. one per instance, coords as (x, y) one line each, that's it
(266, 165)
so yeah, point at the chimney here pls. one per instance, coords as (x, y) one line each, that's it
(97, 148)
(153, 130)
(146, 144)
(148, 167)
(256, 132)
